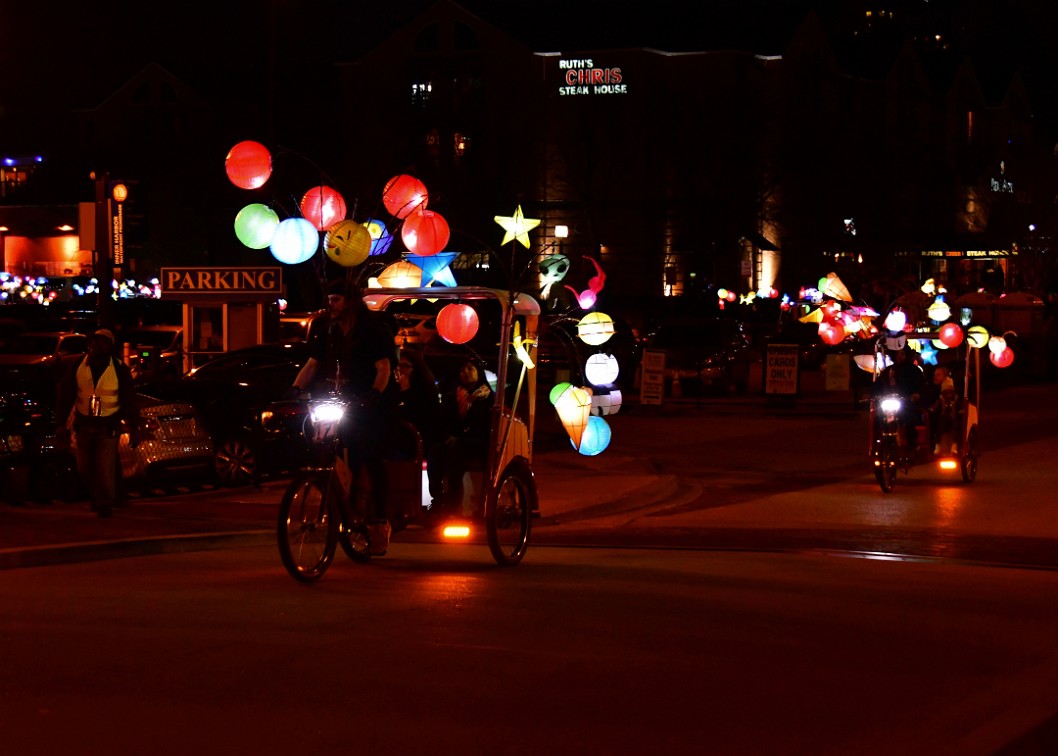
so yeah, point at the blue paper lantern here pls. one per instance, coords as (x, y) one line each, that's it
(435, 268)
(596, 437)
(381, 237)
(294, 241)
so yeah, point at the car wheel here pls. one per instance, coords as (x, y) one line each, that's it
(235, 463)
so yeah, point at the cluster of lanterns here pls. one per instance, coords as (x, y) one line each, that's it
(839, 318)
(727, 296)
(425, 234)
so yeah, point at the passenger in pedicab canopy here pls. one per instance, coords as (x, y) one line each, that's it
(465, 426)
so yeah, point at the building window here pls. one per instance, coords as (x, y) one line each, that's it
(460, 143)
(420, 93)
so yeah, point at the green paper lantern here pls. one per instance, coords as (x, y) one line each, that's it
(255, 225)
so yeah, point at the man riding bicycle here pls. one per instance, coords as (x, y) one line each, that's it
(354, 354)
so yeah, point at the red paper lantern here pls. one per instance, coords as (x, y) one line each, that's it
(830, 333)
(403, 194)
(248, 164)
(951, 335)
(457, 323)
(1002, 359)
(425, 233)
(322, 206)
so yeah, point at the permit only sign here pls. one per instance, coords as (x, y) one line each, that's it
(652, 377)
(780, 369)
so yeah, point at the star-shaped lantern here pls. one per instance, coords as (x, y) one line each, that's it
(517, 226)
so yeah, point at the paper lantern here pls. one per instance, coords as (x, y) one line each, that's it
(951, 335)
(830, 333)
(977, 336)
(400, 275)
(895, 320)
(425, 233)
(255, 225)
(347, 243)
(997, 344)
(554, 267)
(435, 270)
(596, 437)
(403, 194)
(606, 404)
(595, 328)
(248, 165)
(322, 206)
(294, 241)
(1002, 359)
(457, 323)
(721, 293)
(601, 369)
(381, 237)
(574, 409)
(939, 311)
(557, 391)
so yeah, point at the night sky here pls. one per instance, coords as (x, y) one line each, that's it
(50, 66)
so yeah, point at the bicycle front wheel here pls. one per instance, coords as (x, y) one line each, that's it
(308, 528)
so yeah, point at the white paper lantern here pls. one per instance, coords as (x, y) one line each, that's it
(601, 369)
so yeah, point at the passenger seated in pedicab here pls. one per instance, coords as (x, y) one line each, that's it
(466, 422)
(943, 412)
(417, 401)
(903, 378)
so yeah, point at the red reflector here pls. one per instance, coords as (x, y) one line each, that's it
(456, 531)
(949, 464)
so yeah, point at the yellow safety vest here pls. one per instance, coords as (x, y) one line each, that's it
(106, 389)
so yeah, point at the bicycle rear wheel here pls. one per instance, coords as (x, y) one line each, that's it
(509, 513)
(308, 526)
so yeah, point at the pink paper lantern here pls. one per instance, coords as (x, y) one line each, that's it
(322, 206)
(403, 194)
(248, 165)
(457, 323)
(425, 233)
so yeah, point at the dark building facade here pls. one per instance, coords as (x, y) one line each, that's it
(675, 171)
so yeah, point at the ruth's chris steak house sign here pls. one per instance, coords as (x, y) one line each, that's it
(582, 77)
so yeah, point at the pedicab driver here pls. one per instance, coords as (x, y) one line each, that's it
(903, 378)
(356, 353)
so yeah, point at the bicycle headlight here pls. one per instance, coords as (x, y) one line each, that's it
(891, 405)
(328, 412)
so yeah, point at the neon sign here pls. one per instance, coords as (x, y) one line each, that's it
(582, 77)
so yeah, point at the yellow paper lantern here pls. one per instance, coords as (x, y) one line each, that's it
(347, 243)
(939, 311)
(595, 328)
(977, 336)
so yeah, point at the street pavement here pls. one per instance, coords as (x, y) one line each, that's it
(575, 491)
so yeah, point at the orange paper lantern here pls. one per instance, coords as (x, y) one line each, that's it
(457, 323)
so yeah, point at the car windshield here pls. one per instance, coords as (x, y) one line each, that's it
(32, 344)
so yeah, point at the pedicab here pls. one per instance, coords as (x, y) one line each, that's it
(324, 506)
(954, 448)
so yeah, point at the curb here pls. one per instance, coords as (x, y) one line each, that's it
(93, 551)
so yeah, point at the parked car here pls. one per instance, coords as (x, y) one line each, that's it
(233, 393)
(176, 448)
(153, 352)
(51, 352)
(703, 354)
(33, 464)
